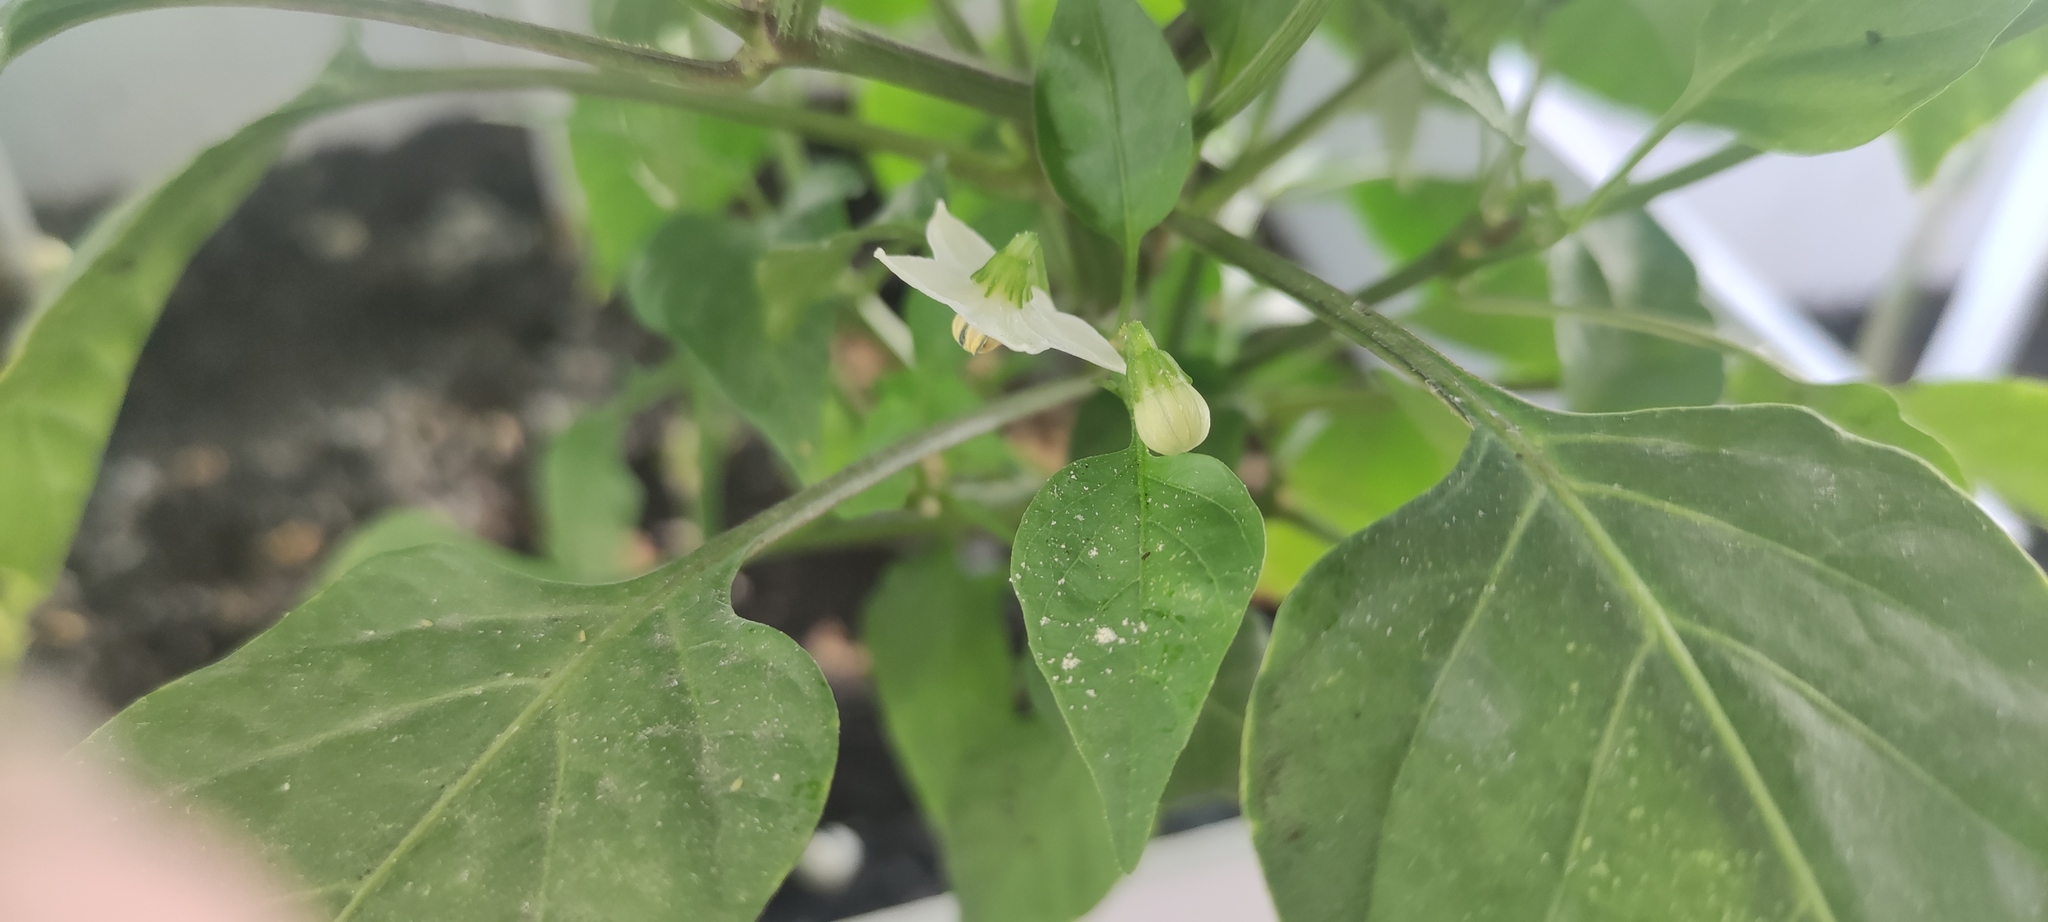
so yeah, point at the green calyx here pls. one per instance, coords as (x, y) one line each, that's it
(1010, 275)
(1149, 367)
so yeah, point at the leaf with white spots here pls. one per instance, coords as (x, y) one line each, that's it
(1699, 664)
(434, 737)
(1133, 571)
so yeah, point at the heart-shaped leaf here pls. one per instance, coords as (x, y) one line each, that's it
(433, 737)
(1134, 571)
(1705, 663)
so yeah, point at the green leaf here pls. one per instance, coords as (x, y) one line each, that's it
(1134, 571)
(1351, 464)
(403, 529)
(433, 737)
(1997, 429)
(1819, 75)
(1803, 76)
(696, 282)
(1114, 124)
(1636, 52)
(1453, 40)
(1516, 351)
(69, 363)
(1709, 663)
(1207, 770)
(1626, 263)
(1861, 409)
(892, 106)
(1253, 42)
(1978, 99)
(1018, 820)
(636, 163)
(590, 501)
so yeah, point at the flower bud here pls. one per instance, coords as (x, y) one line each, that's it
(1170, 415)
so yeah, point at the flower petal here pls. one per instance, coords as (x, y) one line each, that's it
(1071, 334)
(954, 243)
(1005, 324)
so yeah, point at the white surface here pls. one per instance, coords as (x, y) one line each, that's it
(1209, 874)
(1594, 144)
(115, 103)
(1998, 297)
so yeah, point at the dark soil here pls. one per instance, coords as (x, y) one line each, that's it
(383, 329)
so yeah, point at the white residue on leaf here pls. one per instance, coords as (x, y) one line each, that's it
(1105, 636)
(1070, 662)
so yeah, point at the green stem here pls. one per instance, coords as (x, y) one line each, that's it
(1446, 258)
(835, 47)
(787, 516)
(1258, 159)
(1596, 203)
(1648, 324)
(32, 24)
(1014, 36)
(975, 166)
(858, 53)
(1352, 317)
(1636, 195)
(953, 27)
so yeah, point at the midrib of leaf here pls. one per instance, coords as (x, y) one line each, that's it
(1486, 407)
(541, 699)
(1603, 756)
(363, 725)
(1116, 112)
(1661, 626)
(547, 839)
(1854, 724)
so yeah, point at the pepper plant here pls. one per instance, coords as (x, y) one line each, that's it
(1707, 642)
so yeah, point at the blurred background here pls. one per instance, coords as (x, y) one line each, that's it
(399, 317)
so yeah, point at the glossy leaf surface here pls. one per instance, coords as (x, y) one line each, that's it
(1134, 571)
(1702, 664)
(1626, 263)
(433, 737)
(1114, 123)
(1018, 820)
(1997, 429)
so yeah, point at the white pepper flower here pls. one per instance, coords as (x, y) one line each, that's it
(1170, 415)
(999, 297)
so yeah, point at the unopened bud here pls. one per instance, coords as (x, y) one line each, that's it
(1170, 415)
